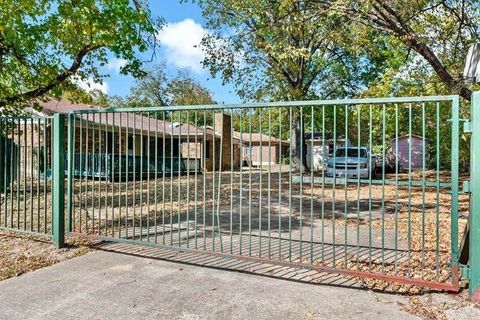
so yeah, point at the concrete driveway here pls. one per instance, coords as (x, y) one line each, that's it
(105, 285)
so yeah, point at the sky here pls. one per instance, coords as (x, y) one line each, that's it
(184, 30)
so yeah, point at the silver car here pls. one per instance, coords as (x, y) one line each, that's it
(351, 162)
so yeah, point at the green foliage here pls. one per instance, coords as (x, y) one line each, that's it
(432, 38)
(280, 50)
(43, 43)
(157, 89)
(285, 50)
(436, 34)
(184, 90)
(149, 91)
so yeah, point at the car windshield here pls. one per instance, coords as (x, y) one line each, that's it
(351, 152)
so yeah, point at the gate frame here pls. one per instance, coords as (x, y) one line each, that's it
(58, 181)
(474, 216)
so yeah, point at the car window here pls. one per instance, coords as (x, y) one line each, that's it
(351, 152)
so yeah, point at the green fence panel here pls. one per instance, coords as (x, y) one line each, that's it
(7, 147)
(25, 167)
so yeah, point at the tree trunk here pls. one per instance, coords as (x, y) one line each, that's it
(298, 147)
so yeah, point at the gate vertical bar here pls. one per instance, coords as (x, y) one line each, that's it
(58, 180)
(454, 173)
(474, 253)
(70, 160)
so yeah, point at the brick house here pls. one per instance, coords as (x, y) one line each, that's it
(261, 149)
(106, 144)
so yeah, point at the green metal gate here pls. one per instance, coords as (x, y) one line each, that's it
(471, 254)
(398, 223)
(27, 202)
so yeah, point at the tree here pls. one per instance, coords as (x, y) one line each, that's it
(151, 90)
(432, 38)
(440, 31)
(156, 89)
(281, 50)
(184, 90)
(43, 43)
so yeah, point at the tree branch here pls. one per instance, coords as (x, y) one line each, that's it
(35, 93)
(410, 39)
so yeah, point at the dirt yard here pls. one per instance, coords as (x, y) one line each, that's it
(393, 229)
(20, 253)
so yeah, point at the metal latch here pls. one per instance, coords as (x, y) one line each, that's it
(467, 127)
(466, 187)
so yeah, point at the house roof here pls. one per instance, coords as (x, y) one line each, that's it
(406, 136)
(236, 139)
(63, 106)
(247, 137)
(318, 136)
(128, 121)
(139, 123)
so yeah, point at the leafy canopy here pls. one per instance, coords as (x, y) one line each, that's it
(157, 89)
(280, 50)
(43, 43)
(436, 32)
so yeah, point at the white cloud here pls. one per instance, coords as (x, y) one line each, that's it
(116, 64)
(182, 44)
(90, 85)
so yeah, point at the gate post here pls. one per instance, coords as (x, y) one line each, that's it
(58, 180)
(474, 217)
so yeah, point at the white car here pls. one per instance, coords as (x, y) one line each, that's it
(351, 162)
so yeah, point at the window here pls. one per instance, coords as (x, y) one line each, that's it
(176, 148)
(207, 150)
(249, 151)
(130, 142)
(109, 142)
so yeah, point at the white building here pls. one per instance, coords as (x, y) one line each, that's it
(319, 151)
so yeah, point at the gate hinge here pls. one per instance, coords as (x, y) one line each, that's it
(465, 271)
(466, 186)
(467, 127)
